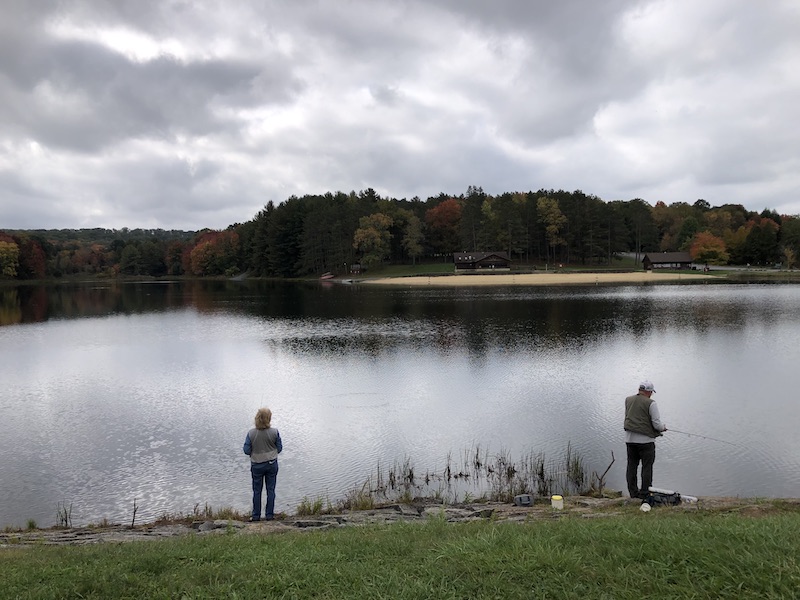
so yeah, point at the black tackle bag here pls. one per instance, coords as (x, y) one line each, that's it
(663, 499)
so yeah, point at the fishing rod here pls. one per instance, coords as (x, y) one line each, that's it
(705, 437)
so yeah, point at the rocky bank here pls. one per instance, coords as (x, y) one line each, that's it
(574, 507)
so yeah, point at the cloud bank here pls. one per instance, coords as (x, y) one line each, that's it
(184, 115)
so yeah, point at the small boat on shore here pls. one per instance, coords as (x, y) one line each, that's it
(327, 275)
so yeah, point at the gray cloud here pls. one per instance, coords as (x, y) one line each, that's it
(186, 115)
(85, 97)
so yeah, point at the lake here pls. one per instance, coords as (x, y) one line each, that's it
(123, 394)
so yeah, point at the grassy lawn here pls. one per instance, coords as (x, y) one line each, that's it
(406, 270)
(661, 554)
(439, 268)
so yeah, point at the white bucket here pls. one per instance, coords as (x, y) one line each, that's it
(557, 502)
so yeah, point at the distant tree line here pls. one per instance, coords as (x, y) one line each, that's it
(314, 234)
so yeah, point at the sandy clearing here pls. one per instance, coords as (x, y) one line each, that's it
(543, 278)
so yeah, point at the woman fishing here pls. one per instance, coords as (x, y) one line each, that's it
(263, 444)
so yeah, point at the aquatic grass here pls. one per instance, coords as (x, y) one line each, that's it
(598, 482)
(317, 506)
(358, 498)
(665, 554)
(207, 512)
(64, 514)
(233, 514)
(478, 473)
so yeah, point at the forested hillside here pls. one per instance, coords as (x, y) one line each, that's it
(314, 234)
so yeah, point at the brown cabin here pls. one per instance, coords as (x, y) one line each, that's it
(667, 260)
(481, 261)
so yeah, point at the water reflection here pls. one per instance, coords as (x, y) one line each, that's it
(484, 315)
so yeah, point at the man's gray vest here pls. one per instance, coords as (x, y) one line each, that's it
(637, 416)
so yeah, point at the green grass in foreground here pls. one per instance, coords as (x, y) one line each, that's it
(662, 554)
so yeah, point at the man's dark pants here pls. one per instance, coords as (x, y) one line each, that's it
(646, 454)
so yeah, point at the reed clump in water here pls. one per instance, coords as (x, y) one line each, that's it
(478, 474)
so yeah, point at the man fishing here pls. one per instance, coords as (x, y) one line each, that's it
(642, 426)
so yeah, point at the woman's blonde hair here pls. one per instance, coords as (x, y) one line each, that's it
(263, 418)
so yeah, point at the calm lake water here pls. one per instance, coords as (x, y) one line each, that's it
(123, 393)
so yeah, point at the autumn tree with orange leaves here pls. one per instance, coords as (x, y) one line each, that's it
(215, 253)
(444, 222)
(708, 248)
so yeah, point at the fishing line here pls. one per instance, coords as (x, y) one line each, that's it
(705, 437)
(761, 451)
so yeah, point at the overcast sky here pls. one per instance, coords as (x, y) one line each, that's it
(190, 114)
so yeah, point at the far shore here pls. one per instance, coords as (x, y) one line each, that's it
(542, 278)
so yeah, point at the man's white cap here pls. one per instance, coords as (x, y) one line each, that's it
(647, 386)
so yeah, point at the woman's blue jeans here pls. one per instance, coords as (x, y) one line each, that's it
(265, 473)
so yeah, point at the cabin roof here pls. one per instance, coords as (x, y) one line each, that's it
(471, 257)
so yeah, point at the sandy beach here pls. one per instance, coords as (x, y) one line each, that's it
(543, 278)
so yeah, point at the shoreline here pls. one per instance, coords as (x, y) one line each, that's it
(539, 279)
(417, 511)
